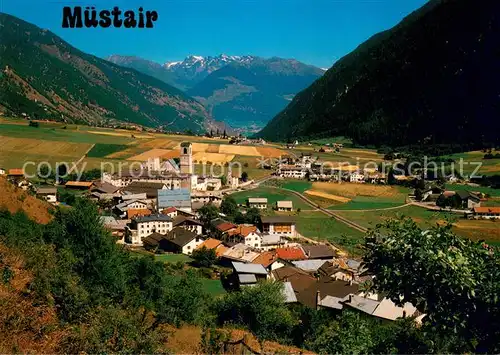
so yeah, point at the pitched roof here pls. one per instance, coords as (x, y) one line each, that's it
(284, 204)
(86, 184)
(241, 252)
(327, 287)
(244, 268)
(265, 259)
(278, 219)
(153, 239)
(290, 253)
(49, 190)
(247, 278)
(486, 209)
(154, 217)
(318, 251)
(210, 243)
(135, 212)
(309, 265)
(243, 230)
(150, 188)
(178, 220)
(464, 194)
(257, 200)
(169, 210)
(180, 236)
(105, 187)
(16, 172)
(225, 226)
(383, 309)
(289, 293)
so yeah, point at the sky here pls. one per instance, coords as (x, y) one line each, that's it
(317, 32)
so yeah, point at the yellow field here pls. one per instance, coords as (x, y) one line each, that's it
(201, 157)
(153, 153)
(160, 143)
(30, 146)
(121, 134)
(328, 196)
(352, 190)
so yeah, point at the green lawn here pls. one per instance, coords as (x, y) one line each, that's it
(297, 185)
(173, 258)
(272, 196)
(213, 287)
(470, 160)
(370, 203)
(316, 225)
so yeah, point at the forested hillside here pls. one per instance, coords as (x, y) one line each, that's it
(42, 76)
(431, 79)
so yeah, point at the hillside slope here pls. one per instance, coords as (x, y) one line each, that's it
(432, 78)
(45, 77)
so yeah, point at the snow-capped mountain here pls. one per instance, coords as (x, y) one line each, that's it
(194, 68)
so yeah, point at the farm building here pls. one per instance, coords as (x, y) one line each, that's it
(284, 206)
(48, 193)
(486, 212)
(248, 274)
(179, 240)
(79, 185)
(257, 202)
(189, 224)
(282, 225)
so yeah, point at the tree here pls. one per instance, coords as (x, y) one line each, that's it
(204, 257)
(441, 201)
(453, 280)
(34, 124)
(208, 213)
(419, 194)
(224, 135)
(244, 176)
(253, 216)
(223, 180)
(229, 206)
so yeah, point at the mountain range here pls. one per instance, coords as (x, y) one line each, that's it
(433, 78)
(242, 91)
(45, 77)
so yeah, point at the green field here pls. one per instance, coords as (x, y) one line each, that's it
(316, 225)
(488, 166)
(213, 287)
(370, 203)
(100, 150)
(173, 258)
(272, 196)
(486, 190)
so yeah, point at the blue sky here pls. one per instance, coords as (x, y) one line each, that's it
(316, 32)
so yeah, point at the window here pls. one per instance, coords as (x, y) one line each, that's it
(188, 247)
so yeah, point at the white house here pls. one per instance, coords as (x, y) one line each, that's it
(284, 206)
(281, 225)
(487, 212)
(143, 226)
(356, 177)
(48, 193)
(257, 202)
(246, 234)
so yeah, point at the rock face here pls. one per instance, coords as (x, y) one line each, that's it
(45, 77)
(433, 79)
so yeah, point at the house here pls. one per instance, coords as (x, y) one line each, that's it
(309, 265)
(48, 193)
(284, 206)
(469, 200)
(205, 197)
(149, 188)
(79, 185)
(189, 224)
(15, 174)
(170, 211)
(3, 171)
(318, 251)
(326, 292)
(136, 212)
(257, 202)
(239, 252)
(384, 308)
(222, 227)
(298, 279)
(143, 226)
(272, 241)
(214, 244)
(266, 259)
(282, 225)
(246, 234)
(292, 171)
(117, 227)
(486, 212)
(356, 177)
(105, 188)
(122, 208)
(177, 240)
(290, 253)
(248, 274)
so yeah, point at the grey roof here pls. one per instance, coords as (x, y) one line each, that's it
(129, 196)
(124, 204)
(153, 239)
(257, 200)
(182, 219)
(271, 239)
(384, 309)
(278, 219)
(309, 265)
(332, 302)
(464, 194)
(353, 264)
(154, 217)
(289, 293)
(105, 187)
(49, 190)
(247, 278)
(284, 204)
(180, 236)
(149, 188)
(243, 268)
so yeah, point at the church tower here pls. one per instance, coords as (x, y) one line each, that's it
(186, 158)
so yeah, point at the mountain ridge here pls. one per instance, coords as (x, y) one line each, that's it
(394, 88)
(45, 77)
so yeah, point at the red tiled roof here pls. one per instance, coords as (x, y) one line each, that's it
(210, 243)
(486, 209)
(134, 212)
(243, 230)
(225, 226)
(290, 253)
(169, 210)
(265, 259)
(16, 172)
(79, 183)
